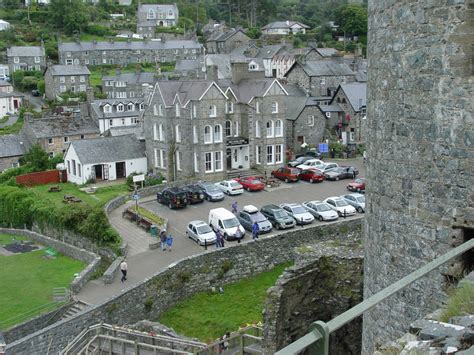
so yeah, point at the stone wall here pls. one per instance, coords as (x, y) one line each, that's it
(325, 282)
(184, 278)
(420, 156)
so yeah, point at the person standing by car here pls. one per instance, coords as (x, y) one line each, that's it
(238, 235)
(255, 230)
(169, 242)
(163, 239)
(218, 239)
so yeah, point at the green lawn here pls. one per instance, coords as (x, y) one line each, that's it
(28, 280)
(99, 198)
(13, 129)
(207, 316)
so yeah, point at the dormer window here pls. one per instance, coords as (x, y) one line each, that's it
(212, 111)
(253, 66)
(230, 107)
(130, 107)
(107, 108)
(120, 108)
(142, 106)
(274, 107)
(170, 13)
(151, 15)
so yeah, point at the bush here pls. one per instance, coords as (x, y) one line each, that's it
(99, 30)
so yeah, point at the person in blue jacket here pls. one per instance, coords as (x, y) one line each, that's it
(255, 230)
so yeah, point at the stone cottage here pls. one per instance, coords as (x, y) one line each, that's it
(60, 79)
(127, 85)
(221, 43)
(26, 58)
(151, 16)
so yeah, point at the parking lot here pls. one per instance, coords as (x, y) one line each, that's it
(296, 192)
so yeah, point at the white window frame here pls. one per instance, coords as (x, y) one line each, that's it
(236, 128)
(120, 108)
(310, 121)
(196, 163)
(73, 79)
(155, 111)
(162, 158)
(155, 132)
(230, 107)
(160, 109)
(258, 130)
(228, 128)
(195, 135)
(210, 162)
(194, 111)
(278, 153)
(178, 160)
(178, 110)
(208, 136)
(212, 111)
(275, 107)
(257, 107)
(130, 107)
(62, 79)
(62, 88)
(161, 135)
(278, 130)
(258, 153)
(178, 133)
(157, 164)
(217, 134)
(270, 153)
(37, 60)
(218, 165)
(16, 60)
(50, 141)
(107, 108)
(269, 131)
(82, 79)
(322, 81)
(328, 114)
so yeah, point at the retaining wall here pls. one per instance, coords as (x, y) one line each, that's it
(184, 278)
(41, 178)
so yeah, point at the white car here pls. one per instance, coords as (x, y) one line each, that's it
(230, 187)
(341, 206)
(356, 200)
(321, 210)
(311, 164)
(298, 212)
(200, 232)
(328, 166)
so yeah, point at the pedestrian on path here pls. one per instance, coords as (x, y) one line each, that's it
(123, 269)
(169, 242)
(238, 235)
(218, 239)
(255, 231)
(163, 239)
(235, 208)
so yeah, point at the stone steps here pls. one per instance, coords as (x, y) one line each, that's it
(76, 308)
(242, 173)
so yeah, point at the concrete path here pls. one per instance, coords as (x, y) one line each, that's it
(11, 120)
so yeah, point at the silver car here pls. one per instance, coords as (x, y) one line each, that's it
(341, 206)
(200, 232)
(321, 210)
(298, 212)
(356, 200)
(211, 191)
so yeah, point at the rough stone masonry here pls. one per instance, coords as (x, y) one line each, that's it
(420, 155)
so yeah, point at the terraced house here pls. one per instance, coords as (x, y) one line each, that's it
(124, 53)
(63, 78)
(150, 16)
(26, 58)
(126, 85)
(209, 129)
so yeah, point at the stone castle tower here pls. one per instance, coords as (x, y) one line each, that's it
(420, 154)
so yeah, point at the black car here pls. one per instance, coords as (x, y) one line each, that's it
(35, 93)
(278, 217)
(174, 197)
(341, 172)
(194, 192)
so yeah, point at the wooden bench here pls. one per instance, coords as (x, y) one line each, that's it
(129, 214)
(133, 216)
(70, 198)
(145, 223)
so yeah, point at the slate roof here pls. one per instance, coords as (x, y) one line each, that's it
(223, 36)
(133, 45)
(356, 93)
(246, 89)
(97, 106)
(64, 70)
(25, 51)
(326, 68)
(267, 52)
(186, 90)
(62, 126)
(326, 52)
(108, 149)
(132, 78)
(331, 108)
(11, 94)
(222, 61)
(187, 64)
(283, 24)
(5, 83)
(12, 145)
(138, 131)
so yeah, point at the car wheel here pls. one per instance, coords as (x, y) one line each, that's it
(248, 189)
(311, 180)
(187, 235)
(320, 218)
(225, 236)
(277, 226)
(286, 180)
(339, 214)
(337, 178)
(360, 210)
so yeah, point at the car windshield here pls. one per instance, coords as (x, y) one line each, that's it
(361, 199)
(341, 203)
(280, 214)
(257, 217)
(235, 185)
(359, 181)
(323, 207)
(211, 188)
(231, 223)
(298, 210)
(253, 182)
(204, 229)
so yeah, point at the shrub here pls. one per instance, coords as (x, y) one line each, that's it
(148, 304)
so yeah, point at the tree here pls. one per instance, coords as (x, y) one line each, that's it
(37, 158)
(69, 15)
(352, 19)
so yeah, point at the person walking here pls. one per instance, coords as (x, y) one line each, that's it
(238, 235)
(255, 231)
(163, 239)
(234, 207)
(169, 242)
(123, 269)
(218, 239)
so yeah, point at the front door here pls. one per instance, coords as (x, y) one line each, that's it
(106, 171)
(228, 155)
(120, 169)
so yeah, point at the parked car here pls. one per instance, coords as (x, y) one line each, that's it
(287, 174)
(226, 223)
(314, 175)
(278, 217)
(249, 215)
(321, 210)
(174, 197)
(356, 200)
(211, 192)
(251, 183)
(298, 212)
(341, 206)
(230, 187)
(341, 172)
(358, 185)
(299, 160)
(328, 166)
(35, 92)
(311, 153)
(311, 164)
(194, 192)
(200, 232)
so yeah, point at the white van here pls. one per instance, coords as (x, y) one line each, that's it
(225, 222)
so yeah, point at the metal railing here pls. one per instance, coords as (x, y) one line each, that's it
(317, 340)
(246, 340)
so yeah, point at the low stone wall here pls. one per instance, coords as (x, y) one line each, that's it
(111, 271)
(326, 281)
(115, 203)
(182, 279)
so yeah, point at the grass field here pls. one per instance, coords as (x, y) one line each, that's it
(207, 316)
(30, 278)
(99, 198)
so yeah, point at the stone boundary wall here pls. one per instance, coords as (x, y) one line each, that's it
(184, 278)
(109, 274)
(326, 281)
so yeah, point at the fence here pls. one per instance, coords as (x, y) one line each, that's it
(317, 340)
(42, 177)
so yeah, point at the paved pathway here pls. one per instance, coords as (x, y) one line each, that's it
(11, 120)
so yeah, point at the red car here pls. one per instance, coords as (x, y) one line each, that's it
(357, 185)
(251, 183)
(313, 175)
(287, 174)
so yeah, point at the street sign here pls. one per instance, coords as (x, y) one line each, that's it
(135, 197)
(323, 147)
(138, 178)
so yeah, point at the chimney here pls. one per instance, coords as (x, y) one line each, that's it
(212, 73)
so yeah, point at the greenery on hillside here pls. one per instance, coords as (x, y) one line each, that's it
(207, 316)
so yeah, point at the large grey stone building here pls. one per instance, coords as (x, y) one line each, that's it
(124, 53)
(127, 85)
(63, 78)
(26, 58)
(421, 128)
(151, 16)
(219, 43)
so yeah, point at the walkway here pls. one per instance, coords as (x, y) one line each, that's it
(11, 120)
